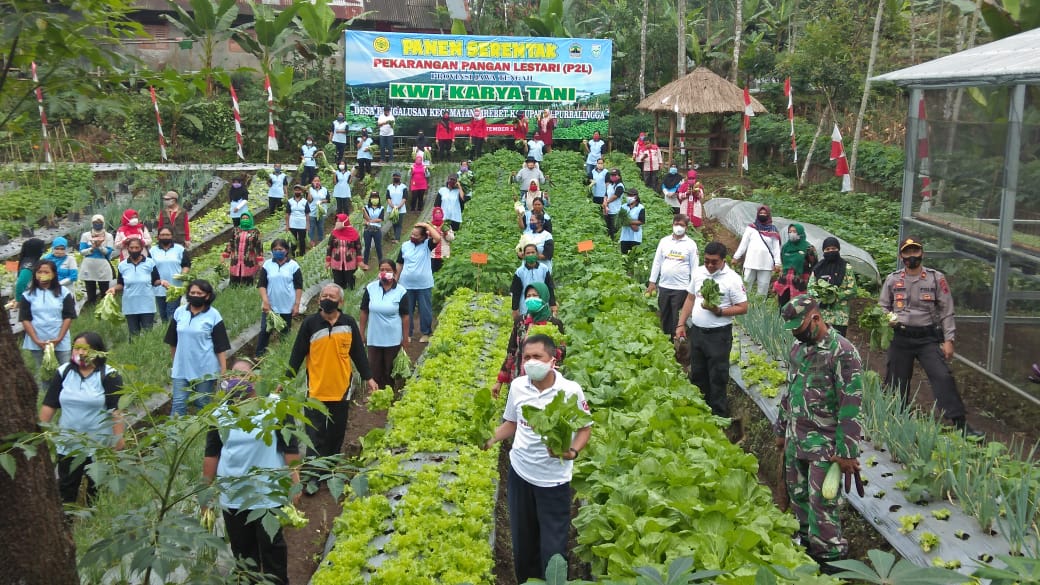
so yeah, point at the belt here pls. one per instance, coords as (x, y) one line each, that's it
(916, 331)
(709, 330)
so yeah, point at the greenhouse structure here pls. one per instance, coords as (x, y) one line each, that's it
(971, 191)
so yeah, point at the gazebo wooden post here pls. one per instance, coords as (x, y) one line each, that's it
(671, 141)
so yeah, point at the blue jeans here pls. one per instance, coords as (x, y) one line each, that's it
(316, 230)
(62, 356)
(386, 148)
(135, 323)
(421, 301)
(198, 391)
(373, 235)
(166, 308)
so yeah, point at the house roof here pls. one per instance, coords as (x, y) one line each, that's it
(410, 14)
(1009, 61)
(700, 92)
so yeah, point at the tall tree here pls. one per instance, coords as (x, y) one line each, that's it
(209, 24)
(738, 29)
(642, 50)
(866, 86)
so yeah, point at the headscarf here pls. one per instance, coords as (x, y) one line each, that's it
(672, 179)
(792, 254)
(543, 292)
(343, 230)
(246, 221)
(97, 217)
(445, 120)
(767, 229)
(832, 271)
(131, 230)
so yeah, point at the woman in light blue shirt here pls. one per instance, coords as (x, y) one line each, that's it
(415, 273)
(137, 279)
(46, 311)
(199, 342)
(281, 287)
(384, 322)
(310, 166)
(170, 258)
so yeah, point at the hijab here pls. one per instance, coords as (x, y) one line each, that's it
(792, 254)
(672, 179)
(131, 230)
(97, 217)
(344, 231)
(832, 270)
(766, 228)
(543, 292)
(246, 221)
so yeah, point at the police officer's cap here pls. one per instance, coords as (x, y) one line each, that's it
(910, 242)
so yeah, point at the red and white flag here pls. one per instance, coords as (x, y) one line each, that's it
(158, 121)
(43, 115)
(272, 141)
(790, 115)
(238, 122)
(923, 170)
(748, 112)
(841, 167)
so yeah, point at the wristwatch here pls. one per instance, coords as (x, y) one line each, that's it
(573, 450)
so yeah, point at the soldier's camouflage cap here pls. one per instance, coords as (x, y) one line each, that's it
(795, 310)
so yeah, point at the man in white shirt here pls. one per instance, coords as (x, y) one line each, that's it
(529, 172)
(711, 326)
(539, 480)
(672, 272)
(385, 123)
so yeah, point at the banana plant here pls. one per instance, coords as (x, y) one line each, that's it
(208, 23)
(550, 20)
(272, 33)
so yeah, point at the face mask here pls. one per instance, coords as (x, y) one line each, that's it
(373, 203)
(342, 167)
(328, 305)
(763, 218)
(445, 117)
(310, 142)
(134, 221)
(278, 254)
(533, 227)
(534, 304)
(531, 259)
(912, 262)
(451, 184)
(807, 336)
(44, 278)
(136, 255)
(339, 118)
(171, 203)
(238, 386)
(77, 359)
(98, 226)
(276, 171)
(536, 370)
(673, 171)
(832, 255)
(197, 301)
(165, 241)
(386, 276)
(794, 237)
(630, 200)
(679, 230)
(59, 253)
(236, 184)
(397, 180)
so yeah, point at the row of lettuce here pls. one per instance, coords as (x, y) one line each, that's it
(659, 480)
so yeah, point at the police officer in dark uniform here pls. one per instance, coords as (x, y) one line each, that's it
(925, 331)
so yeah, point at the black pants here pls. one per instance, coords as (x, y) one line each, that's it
(274, 203)
(300, 234)
(456, 226)
(265, 333)
(373, 235)
(241, 280)
(341, 147)
(627, 245)
(669, 303)
(610, 219)
(95, 288)
(135, 323)
(308, 175)
(418, 200)
(250, 541)
(478, 148)
(436, 264)
(364, 166)
(70, 478)
(328, 431)
(926, 350)
(381, 360)
(709, 365)
(344, 278)
(343, 205)
(443, 150)
(539, 521)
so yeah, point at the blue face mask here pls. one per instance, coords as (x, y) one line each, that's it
(278, 254)
(673, 171)
(533, 227)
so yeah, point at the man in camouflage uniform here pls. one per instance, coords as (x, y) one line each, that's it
(818, 424)
(921, 298)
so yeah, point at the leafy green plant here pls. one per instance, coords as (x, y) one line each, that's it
(878, 322)
(557, 422)
(886, 570)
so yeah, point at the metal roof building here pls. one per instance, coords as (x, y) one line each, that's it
(971, 190)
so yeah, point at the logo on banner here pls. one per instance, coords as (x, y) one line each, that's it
(575, 51)
(597, 50)
(381, 44)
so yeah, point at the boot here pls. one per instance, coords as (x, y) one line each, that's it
(962, 425)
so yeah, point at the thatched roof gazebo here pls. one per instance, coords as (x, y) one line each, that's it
(701, 92)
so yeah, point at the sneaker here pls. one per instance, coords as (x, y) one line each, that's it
(424, 339)
(971, 434)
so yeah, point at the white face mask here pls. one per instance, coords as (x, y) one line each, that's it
(630, 200)
(537, 370)
(794, 237)
(134, 221)
(678, 230)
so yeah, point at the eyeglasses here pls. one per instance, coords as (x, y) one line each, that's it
(168, 199)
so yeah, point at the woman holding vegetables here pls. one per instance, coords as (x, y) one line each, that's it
(797, 258)
(46, 311)
(539, 311)
(138, 277)
(833, 283)
(245, 251)
(384, 322)
(199, 343)
(539, 479)
(281, 287)
(171, 259)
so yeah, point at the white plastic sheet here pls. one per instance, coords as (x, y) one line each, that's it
(736, 215)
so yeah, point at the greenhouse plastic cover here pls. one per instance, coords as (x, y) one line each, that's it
(736, 215)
